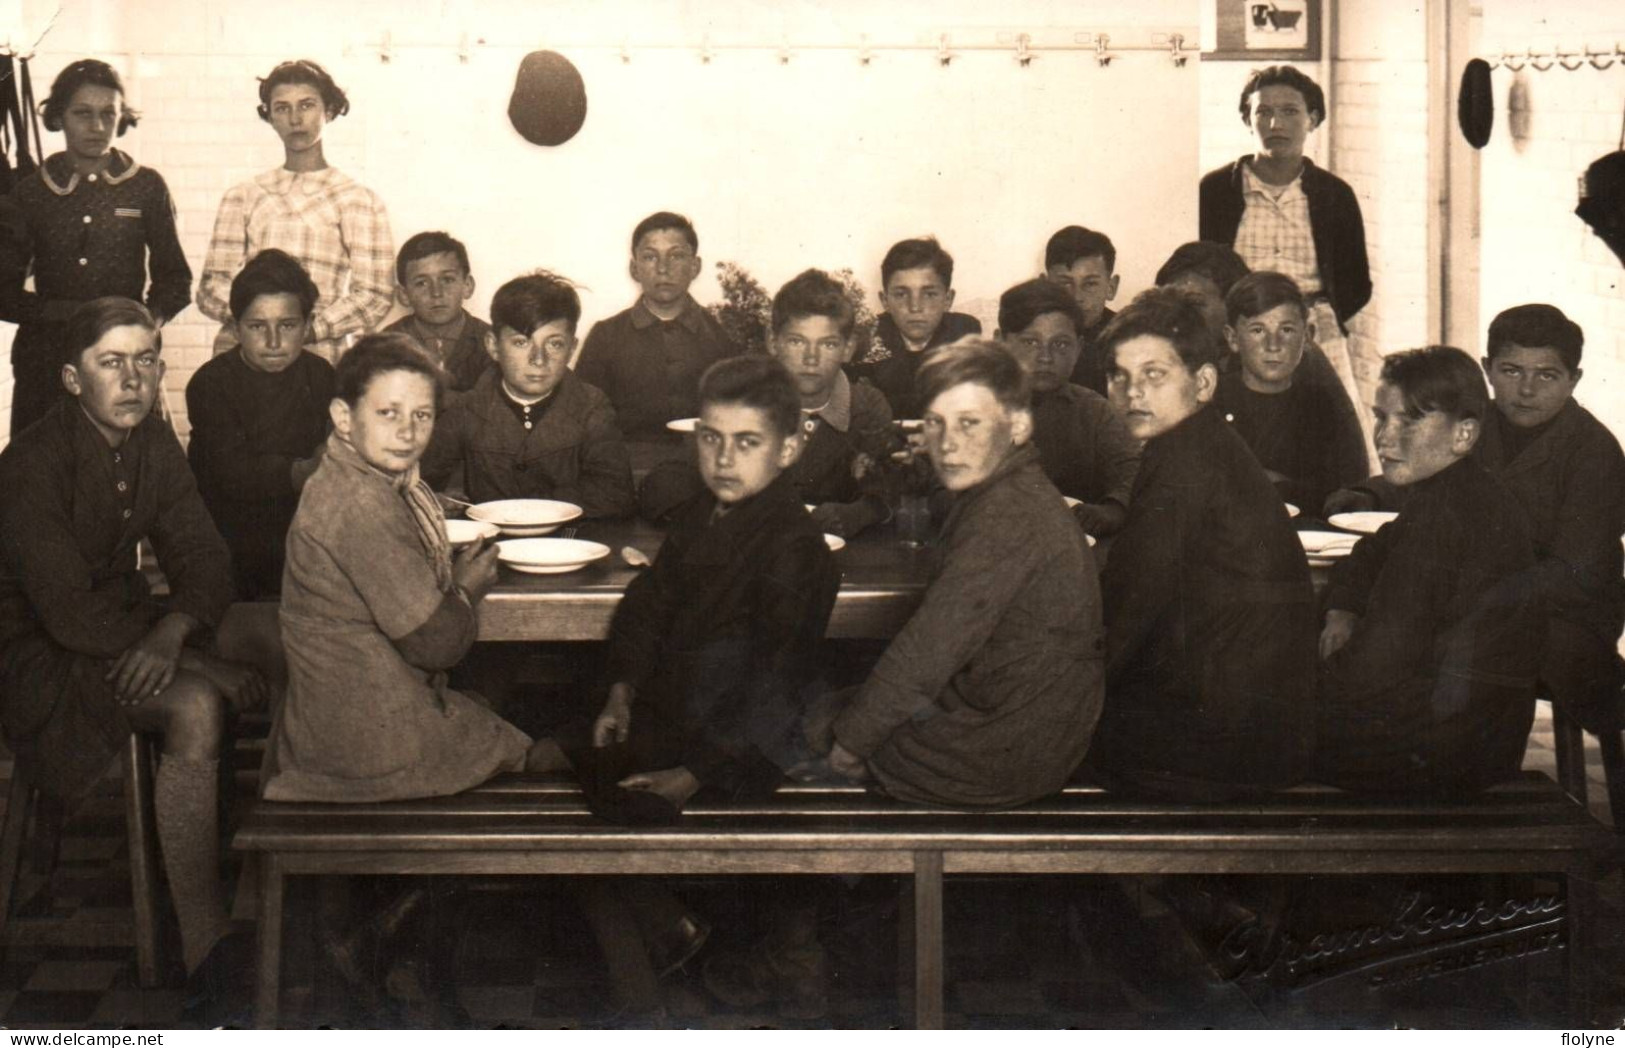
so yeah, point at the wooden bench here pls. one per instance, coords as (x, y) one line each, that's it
(526, 825)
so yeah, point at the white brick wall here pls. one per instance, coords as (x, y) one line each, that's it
(1534, 248)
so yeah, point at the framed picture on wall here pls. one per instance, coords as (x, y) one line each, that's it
(1279, 30)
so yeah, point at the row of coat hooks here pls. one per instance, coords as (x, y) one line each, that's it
(1020, 47)
(1570, 60)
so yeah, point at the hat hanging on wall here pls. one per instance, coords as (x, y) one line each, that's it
(549, 102)
(1602, 198)
(1475, 105)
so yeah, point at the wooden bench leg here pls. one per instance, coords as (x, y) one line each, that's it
(1581, 907)
(268, 991)
(928, 947)
(142, 838)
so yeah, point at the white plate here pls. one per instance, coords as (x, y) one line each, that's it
(525, 516)
(549, 556)
(682, 425)
(834, 542)
(467, 532)
(1365, 523)
(1327, 543)
(1291, 510)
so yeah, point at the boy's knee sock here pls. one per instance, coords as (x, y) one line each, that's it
(185, 796)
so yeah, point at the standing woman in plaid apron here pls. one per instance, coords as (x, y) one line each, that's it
(336, 227)
(91, 222)
(1282, 213)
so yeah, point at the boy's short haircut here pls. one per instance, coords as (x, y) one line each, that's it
(1031, 299)
(1438, 378)
(1314, 99)
(1537, 324)
(917, 254)
(758, 382)
(272, 272)
(666, 220)
(382, 351)
(527, 302)
(91, 320)
(1205, 258)
(1165, 313)
(87, 72)
(813, 293)
(303, 71)
(422, 245)
(1076, 243)
(1257, 293)
(977, 360)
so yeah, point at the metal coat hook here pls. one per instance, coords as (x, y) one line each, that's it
(626, 54)
(1024, 51)
(944, 54)
(463, 52)
(705, 49)
(1177, 47)
(1611, 56)
(1535, 64)
(1564, 60)
(1101, 54)
(386, 52)
(865, 56)
(784, 51)
(1512, 62)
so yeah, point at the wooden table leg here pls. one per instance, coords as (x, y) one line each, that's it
(928, 947)
(269, 984)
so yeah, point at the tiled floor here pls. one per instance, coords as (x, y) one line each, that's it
(1035, 953)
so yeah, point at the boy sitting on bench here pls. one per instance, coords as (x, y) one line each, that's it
(845, 424)
(1209, 610)
(1432, 635)
(1298, 431)
(1082, 263)
(917, 293)
(1086, 450)
(433, 280)
(531, 428)
(259, 419)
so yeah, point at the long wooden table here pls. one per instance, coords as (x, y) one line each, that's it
(881, 584)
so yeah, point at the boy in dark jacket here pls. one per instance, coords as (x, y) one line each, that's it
(530, 428)
(1210, 666)
(1432, 636)
(1083, 263)
(1304, 435)
(846, 425)
(917, 291)
(259, 416)
(433, 280)
(1086, 450)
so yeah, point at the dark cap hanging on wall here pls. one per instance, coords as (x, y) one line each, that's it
(1602, 200)
(1475, 105)
(549, 102)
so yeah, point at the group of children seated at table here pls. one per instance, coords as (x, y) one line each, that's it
(1194, 665)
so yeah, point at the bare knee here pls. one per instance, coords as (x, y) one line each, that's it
(190, 714)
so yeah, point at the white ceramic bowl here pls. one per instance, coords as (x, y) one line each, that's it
(682, 425)
(525, 516)
(466, 532)
(1327, 543)
(549, 556)
(1366, 523)
(834, 542)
